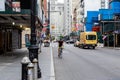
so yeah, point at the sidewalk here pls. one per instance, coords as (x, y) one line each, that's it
(100, 45)
(10, 65)
(115, 48)
(46, 64)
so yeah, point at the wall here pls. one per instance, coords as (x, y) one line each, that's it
(26, 31)
(92, 17)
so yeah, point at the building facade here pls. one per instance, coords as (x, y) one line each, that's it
(106, 23)
(68, 16)
(56, 19)
(77, 15)
(88, 5)
(15, 17)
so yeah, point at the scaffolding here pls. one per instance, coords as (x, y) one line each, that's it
(111, 29)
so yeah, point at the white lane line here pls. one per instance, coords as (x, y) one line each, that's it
(52, 74)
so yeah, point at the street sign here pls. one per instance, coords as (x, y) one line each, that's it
(53, 27)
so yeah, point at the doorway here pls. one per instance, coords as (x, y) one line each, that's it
(118, 40)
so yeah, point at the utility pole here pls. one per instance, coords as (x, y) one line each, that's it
(33, 48)
(48, 27)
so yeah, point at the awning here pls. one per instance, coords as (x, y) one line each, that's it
(18, 19)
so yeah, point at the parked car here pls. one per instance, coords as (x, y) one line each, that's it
(46, 43)
(76, 43)
(70, 41)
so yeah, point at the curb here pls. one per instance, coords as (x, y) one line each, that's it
(52, 74)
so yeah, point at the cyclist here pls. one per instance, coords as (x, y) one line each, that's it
(60, 47)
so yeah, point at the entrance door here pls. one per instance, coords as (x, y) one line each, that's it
(118, 40)
(9, 40)
(1, 42)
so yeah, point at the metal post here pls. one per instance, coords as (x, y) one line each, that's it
(114, 34)
(33, 48)
(48, 29)
(108, 40)
(103, 32)
(49, 12)
(25, 61)
(30, 71)
(114, 39)
(35, 61)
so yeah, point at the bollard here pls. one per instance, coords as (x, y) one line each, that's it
(33, 53)
(35, 62)
(30, 71)
(25, 61)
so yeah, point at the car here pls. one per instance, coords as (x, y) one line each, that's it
(76, 43)
(67, 41)
(46, 43)
(70, 41)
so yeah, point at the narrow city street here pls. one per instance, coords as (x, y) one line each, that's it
(32, 31)
(87, 64)
(76, 64)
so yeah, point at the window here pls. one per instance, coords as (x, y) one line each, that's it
(68, 11)
(59, 8)
(68, 4)
(91, 37)
(52, 8)
(68, 15)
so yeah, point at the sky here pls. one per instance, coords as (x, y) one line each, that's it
(61, 1)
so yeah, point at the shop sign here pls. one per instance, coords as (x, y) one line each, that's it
(16, 6)
(2, 5)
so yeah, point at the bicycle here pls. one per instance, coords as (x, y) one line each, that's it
(60, 52)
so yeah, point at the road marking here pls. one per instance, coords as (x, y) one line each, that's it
(52, 74)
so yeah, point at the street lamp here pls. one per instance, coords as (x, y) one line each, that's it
(48, 27)
(33, 48)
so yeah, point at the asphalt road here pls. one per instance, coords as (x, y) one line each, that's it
(87, 64)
